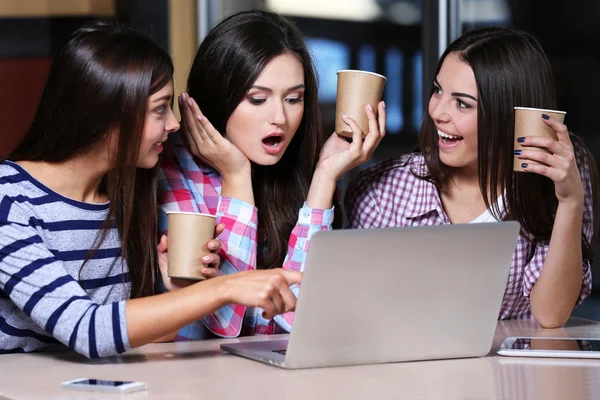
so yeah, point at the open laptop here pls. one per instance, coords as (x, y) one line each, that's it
(395, 294)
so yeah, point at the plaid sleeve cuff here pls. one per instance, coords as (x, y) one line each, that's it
(534, 270)
(285, 321)
(586, 282)
(238, 210)
(315, 216)
(193, 331)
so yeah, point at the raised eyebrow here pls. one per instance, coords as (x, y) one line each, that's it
(263, 88)
(458, 94)
(266, 89)
(300, 86)
(166, 97)
(455, 94)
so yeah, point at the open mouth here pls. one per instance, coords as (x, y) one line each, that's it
(447, 138)
(272, 141)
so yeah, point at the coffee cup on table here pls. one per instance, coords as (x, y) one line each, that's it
(355, 89)
(528, 122)
(188, 235)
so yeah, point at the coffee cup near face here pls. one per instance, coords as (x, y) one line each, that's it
(356, 89)
(188, 235)
(528, 122)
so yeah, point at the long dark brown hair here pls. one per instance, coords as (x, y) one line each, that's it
(511, 70)
(227, 64)
(99, 85)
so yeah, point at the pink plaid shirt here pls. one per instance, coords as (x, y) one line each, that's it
(389, 195)
(186, 184)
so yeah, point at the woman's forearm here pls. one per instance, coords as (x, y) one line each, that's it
(157, 318)
(557, 290)
(167, 338)
(239, 187)
(320, 193)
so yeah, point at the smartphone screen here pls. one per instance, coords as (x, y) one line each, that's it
(556, 344)
(97, 382)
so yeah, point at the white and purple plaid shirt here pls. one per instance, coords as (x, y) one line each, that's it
(389, 195)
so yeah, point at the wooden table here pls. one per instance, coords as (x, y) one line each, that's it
(199, 370)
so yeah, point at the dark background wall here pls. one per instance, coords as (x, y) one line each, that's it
(27, 45)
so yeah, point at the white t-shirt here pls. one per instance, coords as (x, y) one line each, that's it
(487, 215)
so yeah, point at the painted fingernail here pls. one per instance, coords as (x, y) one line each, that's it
(370, 107)
(517, 152)
(524, 165)
(205, 259)
(545, 116)
(521, 139)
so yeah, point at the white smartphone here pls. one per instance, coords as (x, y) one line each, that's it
(98, 385)
(550, 347)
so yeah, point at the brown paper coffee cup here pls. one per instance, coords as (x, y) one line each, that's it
(355, 89)
(528, 122)
(188, 235)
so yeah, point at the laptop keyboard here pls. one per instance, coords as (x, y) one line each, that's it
(280, 351)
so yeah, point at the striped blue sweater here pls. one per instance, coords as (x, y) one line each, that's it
(45, 299)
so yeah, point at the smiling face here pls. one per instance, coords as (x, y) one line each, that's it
(158, 123)
(266, 120)
(453, 109)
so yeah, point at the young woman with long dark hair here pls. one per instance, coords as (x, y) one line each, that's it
(253, 152)
(463, 172)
